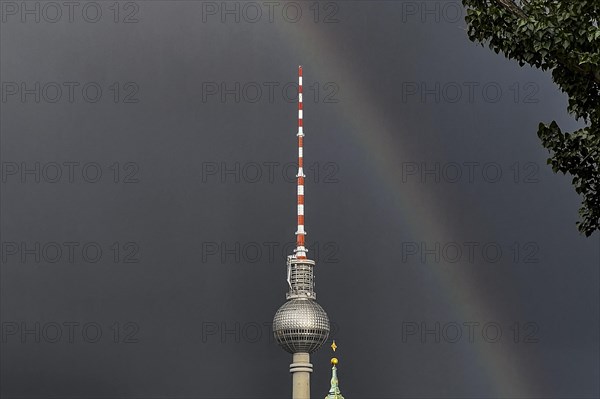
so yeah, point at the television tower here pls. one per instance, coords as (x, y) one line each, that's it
(300, 325)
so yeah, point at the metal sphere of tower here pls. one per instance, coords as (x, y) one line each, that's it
(300, 326)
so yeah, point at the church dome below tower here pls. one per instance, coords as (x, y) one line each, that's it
(301, 326)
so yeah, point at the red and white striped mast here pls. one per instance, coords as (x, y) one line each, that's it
(300, 251)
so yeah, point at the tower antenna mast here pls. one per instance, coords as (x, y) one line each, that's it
(300, 233)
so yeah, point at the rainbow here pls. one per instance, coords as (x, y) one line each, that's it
(495, 362)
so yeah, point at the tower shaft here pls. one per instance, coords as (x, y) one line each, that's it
(301, 369)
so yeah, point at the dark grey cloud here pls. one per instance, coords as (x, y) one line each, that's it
(147, 205)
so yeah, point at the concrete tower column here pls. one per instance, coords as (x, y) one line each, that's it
(301, 369)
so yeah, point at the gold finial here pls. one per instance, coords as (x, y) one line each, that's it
(334, 360)
(334, 391)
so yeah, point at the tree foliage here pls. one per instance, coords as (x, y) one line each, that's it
(563, 37)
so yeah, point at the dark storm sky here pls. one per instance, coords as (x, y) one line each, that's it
(147, 205)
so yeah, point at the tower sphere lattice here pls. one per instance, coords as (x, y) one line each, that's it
(301, 325)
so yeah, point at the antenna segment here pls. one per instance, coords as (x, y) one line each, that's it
(300, 233)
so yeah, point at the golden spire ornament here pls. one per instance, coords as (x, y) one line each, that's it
(334, 390)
